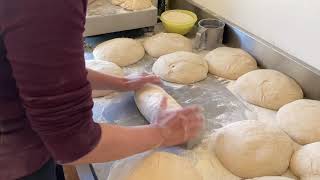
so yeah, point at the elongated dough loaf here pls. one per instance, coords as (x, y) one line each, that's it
(148, 101)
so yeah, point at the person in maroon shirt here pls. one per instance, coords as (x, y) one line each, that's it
(45, 96)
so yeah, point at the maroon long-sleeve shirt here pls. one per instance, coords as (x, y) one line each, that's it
(45, 97)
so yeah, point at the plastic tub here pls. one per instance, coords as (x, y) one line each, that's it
(173, 26)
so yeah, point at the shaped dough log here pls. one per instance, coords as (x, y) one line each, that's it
(148, 101)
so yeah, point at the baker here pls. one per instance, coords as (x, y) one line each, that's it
(45, 96)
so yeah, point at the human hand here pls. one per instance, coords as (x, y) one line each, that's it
(136, 81)
(178, 126)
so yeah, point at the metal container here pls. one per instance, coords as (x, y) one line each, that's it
(210, 34)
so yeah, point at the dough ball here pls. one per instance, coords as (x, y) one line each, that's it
(117, 2)
(268, 88)
(230, 63)
(314, 177)
(136, 4)
(253, 149)
(104, 67)
(210, 167)
(271, 178)
(181, 67)
(301, 120)
(164, 166)
(166, 43)
(148, 101)
(121, 51)
(306, 161)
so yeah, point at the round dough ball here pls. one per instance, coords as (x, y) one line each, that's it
(181, 67)
(166, 43)
(313, 177)
(117, 2)
(271, 178)
(230, 63)
(104, 67)
(306, 161)
(164, 166)
(268, 88)
(253, 149)
(121, 51)
(301, 120)
(136, 4)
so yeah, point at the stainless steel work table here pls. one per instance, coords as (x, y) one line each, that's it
(218, 103)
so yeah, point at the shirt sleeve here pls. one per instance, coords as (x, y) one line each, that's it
(44, 44)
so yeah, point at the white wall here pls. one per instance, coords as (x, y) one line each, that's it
(291, 25)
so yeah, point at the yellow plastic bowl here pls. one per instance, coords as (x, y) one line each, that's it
(180, 28)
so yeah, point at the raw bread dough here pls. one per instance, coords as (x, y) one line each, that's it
(166, 43)
(268, 88)
(230, 63)
(181, 67)
(301, 120)
(117, 2)
(148, 101)
(271, 178)
(136, 4)
(121, 51)
(210, 168)
(104, 67)
(315, 177)
(289, 174)
(252, 149)
(306, 161)
(164, 166)
(178, 17)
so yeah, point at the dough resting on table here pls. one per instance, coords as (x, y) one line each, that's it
(104, 67)
(136, 4)
(181, 67)
(306, 161)
(252, 149)
(121, 51)
(166, 43)
(164, 166)
(271, 178)
(301, 120)
(117, 2)
(230, 63)
(148, 101)
(268, 88)
(133, 4)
